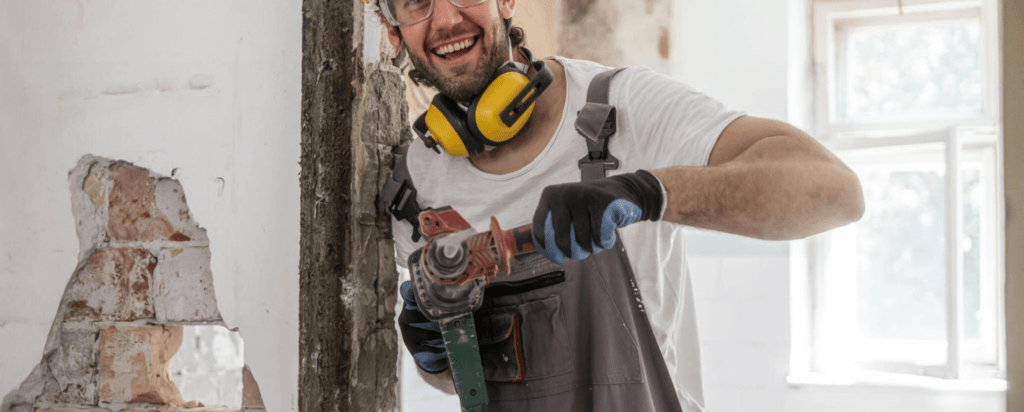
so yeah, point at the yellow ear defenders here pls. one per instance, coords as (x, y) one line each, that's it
(491, 119)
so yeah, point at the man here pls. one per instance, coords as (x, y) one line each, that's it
(599, 331)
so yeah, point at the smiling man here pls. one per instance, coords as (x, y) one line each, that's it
(607, 321)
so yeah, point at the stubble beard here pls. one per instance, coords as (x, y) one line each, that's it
(473, 82)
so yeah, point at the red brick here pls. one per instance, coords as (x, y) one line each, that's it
(135, 364)
(113, 285)
(251, 396)
(134, 215)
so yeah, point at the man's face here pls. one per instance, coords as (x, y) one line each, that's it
(437, 47)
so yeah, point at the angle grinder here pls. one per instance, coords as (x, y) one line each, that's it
(449, 274)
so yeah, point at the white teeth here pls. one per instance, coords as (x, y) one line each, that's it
(454, 47)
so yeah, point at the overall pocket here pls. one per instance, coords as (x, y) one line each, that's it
(527, 340)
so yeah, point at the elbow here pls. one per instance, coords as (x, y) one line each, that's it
(853, 205)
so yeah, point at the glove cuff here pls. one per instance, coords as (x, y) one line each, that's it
(654, 197)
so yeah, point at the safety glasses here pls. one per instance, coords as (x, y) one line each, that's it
(406, 12)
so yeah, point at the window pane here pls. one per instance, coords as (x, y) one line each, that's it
(971, 247)
(901, 282)
(980, 258)
(924, 70)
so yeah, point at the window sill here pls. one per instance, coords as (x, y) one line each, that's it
(888, 380)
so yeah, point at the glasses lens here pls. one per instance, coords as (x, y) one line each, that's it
(409, 11)
(467, 3)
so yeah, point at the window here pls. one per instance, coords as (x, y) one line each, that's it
(906, 96)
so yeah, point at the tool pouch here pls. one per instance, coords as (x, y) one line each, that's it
(524, 342)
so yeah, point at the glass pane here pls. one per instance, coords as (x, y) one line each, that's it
(924, 70)
(901, 282)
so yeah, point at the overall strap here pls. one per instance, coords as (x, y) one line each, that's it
(596, 122)
(399, 197)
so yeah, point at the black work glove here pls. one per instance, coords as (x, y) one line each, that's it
(422, 336)
(574, 220)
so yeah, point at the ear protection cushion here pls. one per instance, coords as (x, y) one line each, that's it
(447, 124)
(484, 114)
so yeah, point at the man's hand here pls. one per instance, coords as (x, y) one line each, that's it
(422, 336)
(574, 220)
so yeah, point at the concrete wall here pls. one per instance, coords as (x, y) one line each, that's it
(206, 92)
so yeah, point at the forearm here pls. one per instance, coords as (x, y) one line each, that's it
(780, 188)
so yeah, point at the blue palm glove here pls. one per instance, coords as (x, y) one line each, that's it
(422, 336)
(574, 220)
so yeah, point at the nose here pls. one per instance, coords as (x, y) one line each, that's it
(446, 15)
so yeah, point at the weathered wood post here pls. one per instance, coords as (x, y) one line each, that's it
(354, 118)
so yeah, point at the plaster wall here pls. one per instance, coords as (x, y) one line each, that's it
(208, 92)
(736, 51)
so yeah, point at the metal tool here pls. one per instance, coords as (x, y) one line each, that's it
(448, 278)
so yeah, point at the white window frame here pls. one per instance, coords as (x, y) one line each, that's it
(956, 135)
(830, 14)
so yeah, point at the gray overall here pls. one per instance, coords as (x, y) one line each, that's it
(573, 337)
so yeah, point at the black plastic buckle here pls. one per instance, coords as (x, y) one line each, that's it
(610, 163)
(396, 206)
(402, 207)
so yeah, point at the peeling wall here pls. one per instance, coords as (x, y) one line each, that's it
(206, 92)
(144, 272)
(619, 32)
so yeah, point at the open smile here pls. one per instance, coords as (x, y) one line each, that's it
(452, 51)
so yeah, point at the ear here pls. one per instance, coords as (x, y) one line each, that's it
(507, 8)
(394, 37)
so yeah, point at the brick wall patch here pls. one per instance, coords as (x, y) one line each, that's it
(144, 273)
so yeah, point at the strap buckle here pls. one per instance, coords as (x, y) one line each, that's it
(596, 122)
(402, 205)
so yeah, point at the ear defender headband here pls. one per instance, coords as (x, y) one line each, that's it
(492, 118)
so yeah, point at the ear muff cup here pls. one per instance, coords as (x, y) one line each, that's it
(484, 114)
(447, 125)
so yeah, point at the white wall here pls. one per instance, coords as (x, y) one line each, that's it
(735, 51)
(211, 89)
(752, 55)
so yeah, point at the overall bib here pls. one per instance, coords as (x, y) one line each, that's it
(572, 337)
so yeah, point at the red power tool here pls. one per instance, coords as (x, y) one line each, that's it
(448, 278)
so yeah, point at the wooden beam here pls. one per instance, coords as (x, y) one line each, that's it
(354, 120)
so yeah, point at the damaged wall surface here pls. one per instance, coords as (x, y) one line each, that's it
(143, 274)
(354, 123)
(206, 92)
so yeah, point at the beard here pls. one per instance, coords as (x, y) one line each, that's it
(475, 81)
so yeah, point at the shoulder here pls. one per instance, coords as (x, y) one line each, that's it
(632, 81)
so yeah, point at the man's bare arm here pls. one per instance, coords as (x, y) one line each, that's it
(765, 179)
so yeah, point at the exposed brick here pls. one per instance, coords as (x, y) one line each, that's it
(113, 285)
(170, 200)
(181, 408)
(96, 186)
(135, 364)
(133, 212)
(251, 396)
(184, 286)
(73, 367)
(68, 409)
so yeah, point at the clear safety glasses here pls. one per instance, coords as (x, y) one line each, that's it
(405, 12)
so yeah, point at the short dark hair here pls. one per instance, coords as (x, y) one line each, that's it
(516, 34)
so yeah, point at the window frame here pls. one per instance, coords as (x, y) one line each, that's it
(956, 134)
(858, 13)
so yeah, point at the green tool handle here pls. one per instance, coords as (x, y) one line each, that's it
(460, 341)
